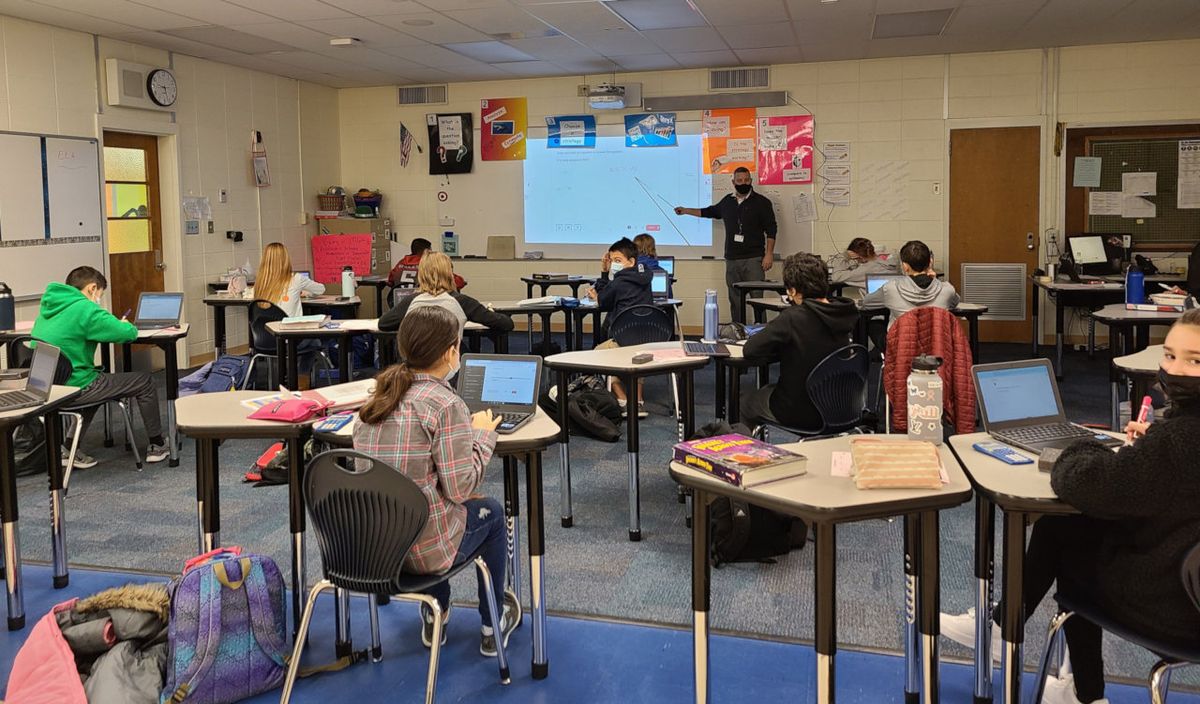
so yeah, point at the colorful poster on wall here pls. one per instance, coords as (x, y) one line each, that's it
(330, 253)
(785, 151)
(502, 137)
(729, 140)
(570, 131)
(450, 149)
(655, 129)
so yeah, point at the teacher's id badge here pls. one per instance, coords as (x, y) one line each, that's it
(739, 238)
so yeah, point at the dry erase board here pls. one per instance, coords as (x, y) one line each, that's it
(51, 217)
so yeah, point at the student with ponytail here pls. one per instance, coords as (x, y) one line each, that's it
(1138, 520)
(415, 422)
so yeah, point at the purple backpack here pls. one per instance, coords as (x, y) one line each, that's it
(227, 637)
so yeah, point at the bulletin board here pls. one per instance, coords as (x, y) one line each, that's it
(1171, 225)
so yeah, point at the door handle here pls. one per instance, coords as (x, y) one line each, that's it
(1030, 242)
(158, 261)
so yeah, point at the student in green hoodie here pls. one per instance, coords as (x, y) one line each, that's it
(72, 319)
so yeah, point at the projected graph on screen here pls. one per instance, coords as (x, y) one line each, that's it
(595, 196)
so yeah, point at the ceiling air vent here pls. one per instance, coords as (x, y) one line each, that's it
(739, 78)
(423, 95)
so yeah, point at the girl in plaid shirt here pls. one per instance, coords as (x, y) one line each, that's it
(415, 422)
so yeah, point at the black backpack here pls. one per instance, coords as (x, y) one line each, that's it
(593, 411)
(743, 532)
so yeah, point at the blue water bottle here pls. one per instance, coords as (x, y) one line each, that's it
(1135, 285)
(711, 315)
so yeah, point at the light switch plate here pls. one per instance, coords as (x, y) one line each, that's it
(222, 196)
(191, 227)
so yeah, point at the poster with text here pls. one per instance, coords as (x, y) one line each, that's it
(330, 253)
(502, 137)
(729, 140)
(785, 150)
(450, 150)
(571, 132)
(656, 129)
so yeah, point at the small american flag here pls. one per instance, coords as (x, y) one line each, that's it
(406, 145)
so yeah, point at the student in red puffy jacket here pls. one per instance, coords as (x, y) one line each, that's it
(404, 274)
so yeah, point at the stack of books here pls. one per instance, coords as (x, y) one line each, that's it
(740, 460)
(304, 322)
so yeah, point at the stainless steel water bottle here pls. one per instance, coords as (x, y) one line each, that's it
(712, 315)
(925, 400)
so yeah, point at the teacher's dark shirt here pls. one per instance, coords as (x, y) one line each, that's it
(754, 218)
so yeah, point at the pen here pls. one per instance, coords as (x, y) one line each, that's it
(126, 316)
(1143, 415)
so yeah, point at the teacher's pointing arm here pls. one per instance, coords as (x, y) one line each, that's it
(711, 211)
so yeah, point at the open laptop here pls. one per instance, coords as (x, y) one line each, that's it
(699, 349)
(37, 384)
(304, 273)
(158, 310)
(667, 263)
(660, 286)
(1021, 406)
(508, 384)
(876, 281)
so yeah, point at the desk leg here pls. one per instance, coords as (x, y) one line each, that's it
(345, 343)
(564, 453)
(735, 395)
(537, 574)
(985, 525)
(512, 524)
(597, 328)
(1114, 378)
(12, 539)
(172, 374)
(547, 334)
(577, 318)
(293, 364)
(825, 613)
(689, 404)
(929, 608)
(219, 330)
(529, 332)
(281, 361)
(208, 506)
(722, 387)
(1059, 324)
(58, 541)
(106, 362)
(973, 333)
(739, 311)
(296, 525)
(635, 485)
(1035, 306)
(912, 587)
(701, 572)
(1013, 627)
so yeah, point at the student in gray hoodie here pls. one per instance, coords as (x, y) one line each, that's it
(852, 267)
(918, 288)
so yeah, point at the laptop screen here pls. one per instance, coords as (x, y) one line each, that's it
(159, 306)
(874, 283)
(500, 382)
(305, 274)
(42, 368)
(667, 264)
(1017, 393)
(659, 284)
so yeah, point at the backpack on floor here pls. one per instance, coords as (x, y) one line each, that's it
(743, 532)
(228, 633)
(226, 374)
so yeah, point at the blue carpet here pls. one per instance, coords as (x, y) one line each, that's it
(590, 661)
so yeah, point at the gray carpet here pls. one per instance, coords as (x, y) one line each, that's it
(124, 519)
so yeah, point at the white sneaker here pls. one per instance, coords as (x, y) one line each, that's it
(960, 628)
(1061, 690)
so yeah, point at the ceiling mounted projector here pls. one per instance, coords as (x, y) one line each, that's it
(607, 96)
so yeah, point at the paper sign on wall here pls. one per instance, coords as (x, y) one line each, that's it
(1087, 172)
(570, 131)
(656, 129)
(1139, 183)
(730, 143)
(1188, 186)
(785, 149)
(804, 209)
(332, 252)
(835, 151)
(1104, 203)
(1138, 207)
(450, 150)
(504, 126)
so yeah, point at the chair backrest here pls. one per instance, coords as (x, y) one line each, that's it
(261, 313)
(19, 353)
(638, 325)
(931, 330)
(1190, 573)
(837, 386)
(366, 516)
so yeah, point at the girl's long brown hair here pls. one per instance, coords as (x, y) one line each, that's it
(435, 274)
(424, 336)
(274, 273)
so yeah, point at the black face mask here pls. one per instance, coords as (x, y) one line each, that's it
(1181, 390)
(742, 188)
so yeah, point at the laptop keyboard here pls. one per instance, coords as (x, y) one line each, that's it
(13, 398)
(699, 348)
(1043, 433)
(508, 421)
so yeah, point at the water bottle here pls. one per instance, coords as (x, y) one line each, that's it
(348, 283)
(449, 244)
(925, 400)
(711, 315)
(8, 308)
(1135, 285)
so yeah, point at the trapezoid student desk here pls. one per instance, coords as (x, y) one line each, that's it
(823, 501)
(576, 316)
(1127, 330)
(1140, 369)
(618, 362)
(386, 339)
(528, 443)
(542, 310)
(743, 288)
(9, 420)
(220, 301)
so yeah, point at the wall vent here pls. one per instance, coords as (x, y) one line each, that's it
(423, 95)
(1000, 287)
(739, 78)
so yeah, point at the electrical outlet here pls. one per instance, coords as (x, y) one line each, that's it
(582, 90)
(937, 188)
(1126, 241)
(222, 196)
(210, 227)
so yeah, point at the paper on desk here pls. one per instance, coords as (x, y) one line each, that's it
(1139, 183)
(1104, 203)
(672, 353)
(841, 464)
(366, 324)
(1137, 207)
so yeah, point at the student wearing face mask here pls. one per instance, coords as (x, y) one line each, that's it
(72, 319)
(623, 283)
(750, 230)
(1138, 520)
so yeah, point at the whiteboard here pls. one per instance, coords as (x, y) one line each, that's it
(51, 215)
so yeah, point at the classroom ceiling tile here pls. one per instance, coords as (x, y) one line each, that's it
(657, 14)
(924, 23)
(884, 7)
(917, 46)
(552, 48)
(570, 18)
(161, 40)
(433, 75)
(983, 22)
(58, 17)
(617, 42)
(530, 68)
(230, 39)
(444, 5)
(490, 52)
(313, 62)
(834, 28)
(287, 33)
(372, 33)
(646, 62)
(725, 12)
(834, 51)
(770, 55)
(584, 67)
(370, 58)
(210, 11)
(499, 20)
(430, 55)
(126, 13)
(433, 27)
(757, 36)
(370, 8)
(706, 59)
(293, 10)
(689, 39)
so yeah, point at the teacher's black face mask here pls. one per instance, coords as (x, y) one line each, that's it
(1181, 390)
(742, 188)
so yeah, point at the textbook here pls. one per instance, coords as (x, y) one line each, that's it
(1154, 307)
(740, 460)
(303, 322)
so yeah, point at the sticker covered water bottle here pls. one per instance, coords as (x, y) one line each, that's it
(925, 400)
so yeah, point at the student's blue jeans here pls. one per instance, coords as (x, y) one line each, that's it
(485, 527)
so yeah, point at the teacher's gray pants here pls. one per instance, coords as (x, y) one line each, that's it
(748, 269)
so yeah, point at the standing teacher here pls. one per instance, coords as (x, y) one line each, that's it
(750, 230)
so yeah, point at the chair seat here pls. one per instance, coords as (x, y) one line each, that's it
(407, 583)
(1096, 615)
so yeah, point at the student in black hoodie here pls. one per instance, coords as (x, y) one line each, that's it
(628, 286)
(798, 338)
(1138, 521)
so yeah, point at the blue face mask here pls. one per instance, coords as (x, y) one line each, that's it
(614, 267)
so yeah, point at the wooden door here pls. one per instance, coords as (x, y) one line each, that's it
(994, 196)
(132, 208)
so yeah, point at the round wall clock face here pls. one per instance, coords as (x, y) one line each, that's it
(160, 84)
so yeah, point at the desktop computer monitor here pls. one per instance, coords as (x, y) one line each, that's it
(1097, 254)
(1088, 249)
